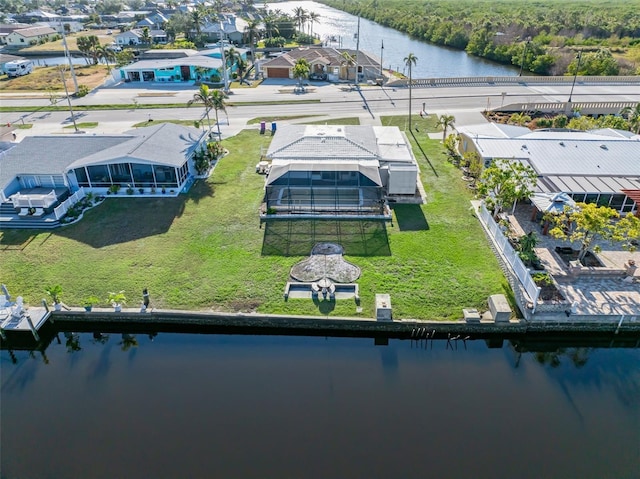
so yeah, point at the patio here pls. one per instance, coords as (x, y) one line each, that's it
(594, 291)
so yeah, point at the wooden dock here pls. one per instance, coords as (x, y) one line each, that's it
(30, 320)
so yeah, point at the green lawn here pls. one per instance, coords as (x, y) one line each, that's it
(206, 250)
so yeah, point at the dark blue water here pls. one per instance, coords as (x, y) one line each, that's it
(207, 406)
(338, 29)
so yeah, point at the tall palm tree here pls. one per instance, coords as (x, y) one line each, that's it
(300, 17)
(410, 60)
(446, 121)
(199, 18)
(632, 115)
(106, 54)
(313, 17)
(204, 95)
(218, 98)
(271, 25)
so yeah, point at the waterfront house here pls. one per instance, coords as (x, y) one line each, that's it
(25, 37)
(47, 169)
(180, 69)
(330, 63)
(339, 170)
(598, 166)
(6, 29)
(135, 36)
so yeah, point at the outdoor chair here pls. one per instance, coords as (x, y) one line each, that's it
(23, 212)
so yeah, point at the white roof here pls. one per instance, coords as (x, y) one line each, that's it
(195, 60)
(368, 168)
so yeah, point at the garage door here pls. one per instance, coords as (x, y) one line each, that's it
(277, 72)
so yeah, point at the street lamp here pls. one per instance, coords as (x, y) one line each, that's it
(524, 52)
(575, 75)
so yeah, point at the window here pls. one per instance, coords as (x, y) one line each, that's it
(616, 202)
(99, 175)
(578, 197)
(142, 174)
(120, 173)
(81, 176)
(591, 198)
(165, 175)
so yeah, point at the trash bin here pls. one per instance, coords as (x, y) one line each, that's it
(263, 126)
(273, 128)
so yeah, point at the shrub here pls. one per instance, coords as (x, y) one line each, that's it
(83, 90)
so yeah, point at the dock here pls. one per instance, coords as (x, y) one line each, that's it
(29, 320)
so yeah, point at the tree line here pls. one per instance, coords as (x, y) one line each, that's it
(541, 37)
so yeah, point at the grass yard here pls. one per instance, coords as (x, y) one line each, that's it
(206, 250)
(48, 79)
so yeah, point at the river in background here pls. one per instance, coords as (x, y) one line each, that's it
(338, 29)
(231, 406)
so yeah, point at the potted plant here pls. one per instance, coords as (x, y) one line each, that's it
(117, 300)
(55, 291)
(89, 302)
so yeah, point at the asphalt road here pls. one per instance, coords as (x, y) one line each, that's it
(368, 103)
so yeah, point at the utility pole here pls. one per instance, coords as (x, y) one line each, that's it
(66, 91)
(357, 51)
(575, 75)
(524, 53)
(381, 53)
(225, 73)
(68, 55)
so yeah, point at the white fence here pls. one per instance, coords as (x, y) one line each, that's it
(511, 257)
(61, 210)
(514, 80)
(34, 200)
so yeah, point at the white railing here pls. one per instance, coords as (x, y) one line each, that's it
(61, 210)
(520, 271)
(513, 80)
(34, 200)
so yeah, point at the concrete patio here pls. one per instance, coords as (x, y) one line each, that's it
(593, 292)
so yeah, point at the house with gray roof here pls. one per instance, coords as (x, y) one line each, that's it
(157, 159)
(330, 170)
(597, 166)
(25, 37)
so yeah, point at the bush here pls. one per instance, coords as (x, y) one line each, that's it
(83, 90)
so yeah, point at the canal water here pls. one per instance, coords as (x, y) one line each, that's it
(338, 29)
(204, 406)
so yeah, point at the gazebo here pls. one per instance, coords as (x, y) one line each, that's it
(554, 203)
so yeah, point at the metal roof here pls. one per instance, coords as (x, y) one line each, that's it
(324, 142)
(195, 60)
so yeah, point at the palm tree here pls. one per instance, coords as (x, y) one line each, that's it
(199, 18)
(217, 99)
(300, 16)
(632, 115)
(271, 25)
(445, 121)
(313, 17)
(106, 54)
(301, 70)
(204, 95)
(410, 60)
(146, 38)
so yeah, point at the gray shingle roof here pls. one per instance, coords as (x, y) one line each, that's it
(164, 144)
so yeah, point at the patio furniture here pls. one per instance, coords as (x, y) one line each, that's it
(23, 212)
(38, 212)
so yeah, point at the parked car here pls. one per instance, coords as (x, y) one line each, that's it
(318, 77)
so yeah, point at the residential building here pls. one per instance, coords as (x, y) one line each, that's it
(30, 36)
(334, 64)
(598, 166)
(135, 36)
(334, 170)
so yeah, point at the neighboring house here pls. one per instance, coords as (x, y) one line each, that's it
(30, 36)
(154, 21)
(329, 170)
(136, 37)
(328, 61)
(229, 28)
(159, 156)
(187, 68)
(6, 29)
(597, 166)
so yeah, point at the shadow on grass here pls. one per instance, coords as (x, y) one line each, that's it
(120, 220)
(16, 240)
(297, 237)
(410, 218)
(325, 306)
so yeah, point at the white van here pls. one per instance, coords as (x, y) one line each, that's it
(18, 68)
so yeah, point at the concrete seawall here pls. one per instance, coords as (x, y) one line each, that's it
(305, 325)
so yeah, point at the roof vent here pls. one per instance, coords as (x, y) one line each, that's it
(562, 143)
(524, 147)
(604, 147)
